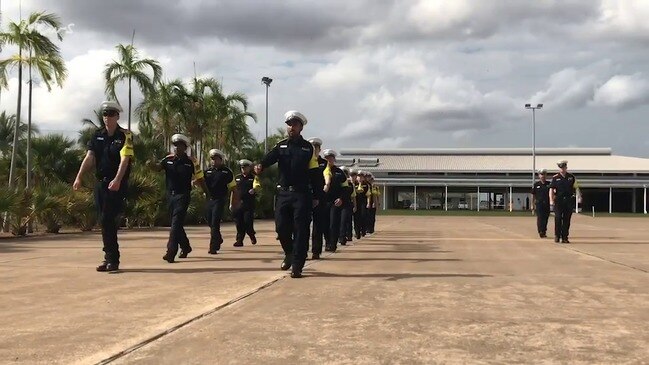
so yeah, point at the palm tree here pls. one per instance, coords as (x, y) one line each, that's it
(50, 67)
(7, 125)
(89, 129)
(55, 159)
(7, 129)
(233, 134)
(23, 35)
(162, 109)
(129, 68)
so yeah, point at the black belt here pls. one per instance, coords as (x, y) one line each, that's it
(294, 189)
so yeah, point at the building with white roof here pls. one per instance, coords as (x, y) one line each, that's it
(487, 178)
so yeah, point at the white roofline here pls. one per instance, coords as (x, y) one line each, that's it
(477, 151)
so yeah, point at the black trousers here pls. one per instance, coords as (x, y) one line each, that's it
(320, 226)
(350, 223)
(292, 218)
(360, 220)
(109, 206)
(213, 216)
(542, 215)
(345, 223)
(337, 221)
(371, 220)
(178, 204)
(563, 208)
(244, 217)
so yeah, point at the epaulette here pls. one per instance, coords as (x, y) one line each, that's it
(282, 141)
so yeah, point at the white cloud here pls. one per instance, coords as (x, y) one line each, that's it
(626, 18)
(348, 72)
(623, 91)
(81, 93)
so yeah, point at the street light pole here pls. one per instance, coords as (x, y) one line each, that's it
(529, 106)
(267, 81)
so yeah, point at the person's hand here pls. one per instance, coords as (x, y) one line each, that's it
(77, 184)
(315, 202)
(114, 185)
(338, 202)
(354, 210)
(369, 206)
(251, 191)
(231, 207)
(326, 188)
(259, 169)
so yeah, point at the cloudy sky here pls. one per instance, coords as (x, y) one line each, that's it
(381, 74)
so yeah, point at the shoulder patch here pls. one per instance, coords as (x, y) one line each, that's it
(285, 140)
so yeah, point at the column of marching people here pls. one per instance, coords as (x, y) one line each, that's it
(315, 198)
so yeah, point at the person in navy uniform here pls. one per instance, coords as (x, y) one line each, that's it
(363, 203)
(563, 188)
(220, 183)
(110, 150)
(351, 227)
(371, 211)
(336, 199)
(181, 170)
(320, 231)
(247, 186)
(541, 202)
(348, 209)
(298, 194)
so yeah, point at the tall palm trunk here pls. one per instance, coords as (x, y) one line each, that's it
(16, 127)
(129, 103)
(28, 184)
(17, 123)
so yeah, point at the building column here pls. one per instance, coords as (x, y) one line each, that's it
(644, 202)
(610, 200)
(478, 198)
(511, 199)
(446, 198)
(385, 194)
(634, 197)
(415, 197)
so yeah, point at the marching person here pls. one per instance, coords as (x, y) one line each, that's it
(221, 185)
(298, 178)
(348, 209)
(335, 184)
(363, 202)
(320, 231)
(248, 187)
(563, 188)
(375, 192)
(180, 170)
(353, 181)
(110, 150)
(541, 202)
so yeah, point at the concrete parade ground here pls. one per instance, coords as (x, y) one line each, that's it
(422, 290)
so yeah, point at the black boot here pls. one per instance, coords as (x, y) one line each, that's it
(183, 254)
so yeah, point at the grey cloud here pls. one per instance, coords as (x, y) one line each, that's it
(305, 25)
